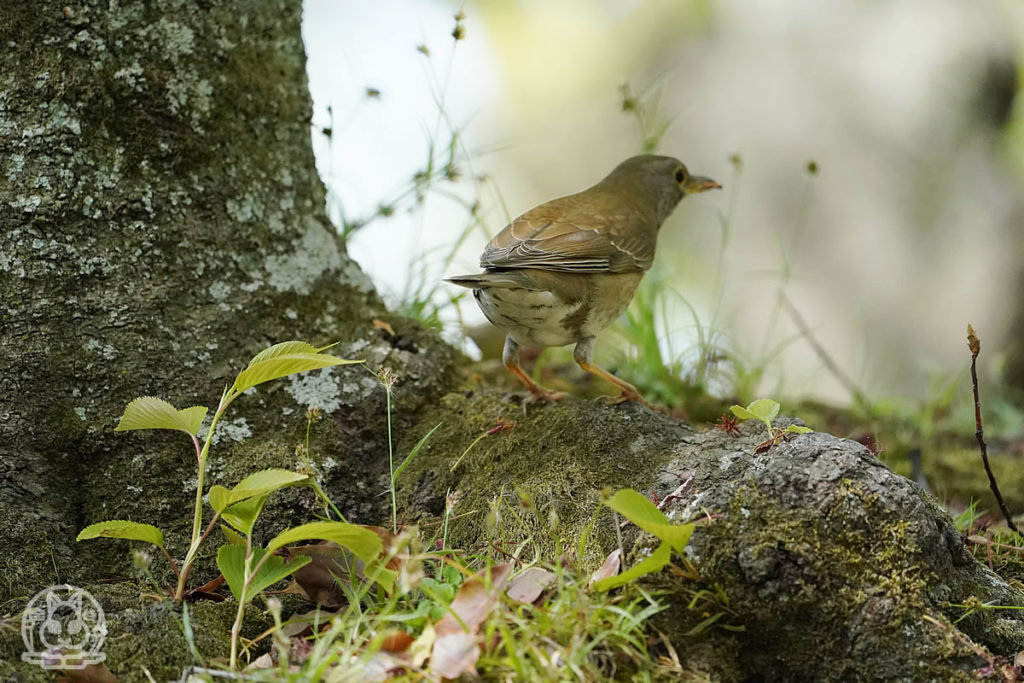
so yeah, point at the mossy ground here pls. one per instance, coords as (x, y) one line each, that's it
(144, 634)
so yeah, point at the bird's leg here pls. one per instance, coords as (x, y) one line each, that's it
(510, 357)
(583, 354)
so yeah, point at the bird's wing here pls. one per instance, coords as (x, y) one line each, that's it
(567, 235)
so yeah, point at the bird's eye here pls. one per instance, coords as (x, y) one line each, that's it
(680, 175)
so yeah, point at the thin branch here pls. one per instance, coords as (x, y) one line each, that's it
(974, 344)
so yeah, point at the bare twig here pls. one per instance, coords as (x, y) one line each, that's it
(974, 344)
(996, 665)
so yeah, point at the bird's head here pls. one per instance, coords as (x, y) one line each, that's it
(664, 179)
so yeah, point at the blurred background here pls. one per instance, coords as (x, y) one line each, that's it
(871, 153)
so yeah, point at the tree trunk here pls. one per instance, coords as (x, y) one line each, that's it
(163, 221)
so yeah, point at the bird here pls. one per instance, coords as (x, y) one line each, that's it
(567, 269)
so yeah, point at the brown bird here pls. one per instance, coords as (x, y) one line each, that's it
(567, 269)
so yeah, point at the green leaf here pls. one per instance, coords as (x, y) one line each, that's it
(120, 528)
(642, 512)
(257, 484)
(283, 349)
(220, 498)
(742, 413)
(281, 360)
(414, 451)
(764, 409)
(650, 564)
(797, 429)
(149, 412)
(243, 515)
(231, 562)
(365, 544)
(232, 536)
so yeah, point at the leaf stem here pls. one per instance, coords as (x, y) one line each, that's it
(197, 519)
(391, 464)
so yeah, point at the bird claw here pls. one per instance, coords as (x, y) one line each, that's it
(541, 395)
(629, 396)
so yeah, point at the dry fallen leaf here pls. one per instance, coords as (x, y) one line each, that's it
(264, 661)
(455, 648)
(528, 585)
(303, 624)
(396, 641)
(331, 564)
(609, 569)
(92, 673)
(455, 654)
(419, 651)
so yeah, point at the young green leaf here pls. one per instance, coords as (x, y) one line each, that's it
(365, 544)
(231, 562)
(242, 515)
(281, 360)
(119, 528)
(149, 412)
(256, 484)
(642, 512)
(232, 536)
(649, 565)
(219, 497)
(797, 429)
(764, 409)
(742, 413)
(284, 349)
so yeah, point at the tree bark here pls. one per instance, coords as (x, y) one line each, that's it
(163, 221)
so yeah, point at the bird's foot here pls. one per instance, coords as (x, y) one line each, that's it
(632, 396)
(541, 395)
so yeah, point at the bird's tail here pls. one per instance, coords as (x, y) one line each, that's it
(468, 281)
(499, 279)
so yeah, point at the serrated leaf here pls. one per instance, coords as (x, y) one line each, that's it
(120, 528)
(365, 544)
(764, 409)
(231, 562)
(232, 536)
(642, 512)
(243, 515)
(193, 417)
(742, 413)
(286, 348)
(149, 412)
(283, 365)
(259, 483)
(797, 429)
(650, 564)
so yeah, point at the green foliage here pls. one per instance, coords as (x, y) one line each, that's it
(364, 543)
(119, 528)
(249, 569)
(765, 410)
(413, 452)
(147, 412)
(257, 484)
(573, 628)
(642, 512)
(281, 360)
(245, 584)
